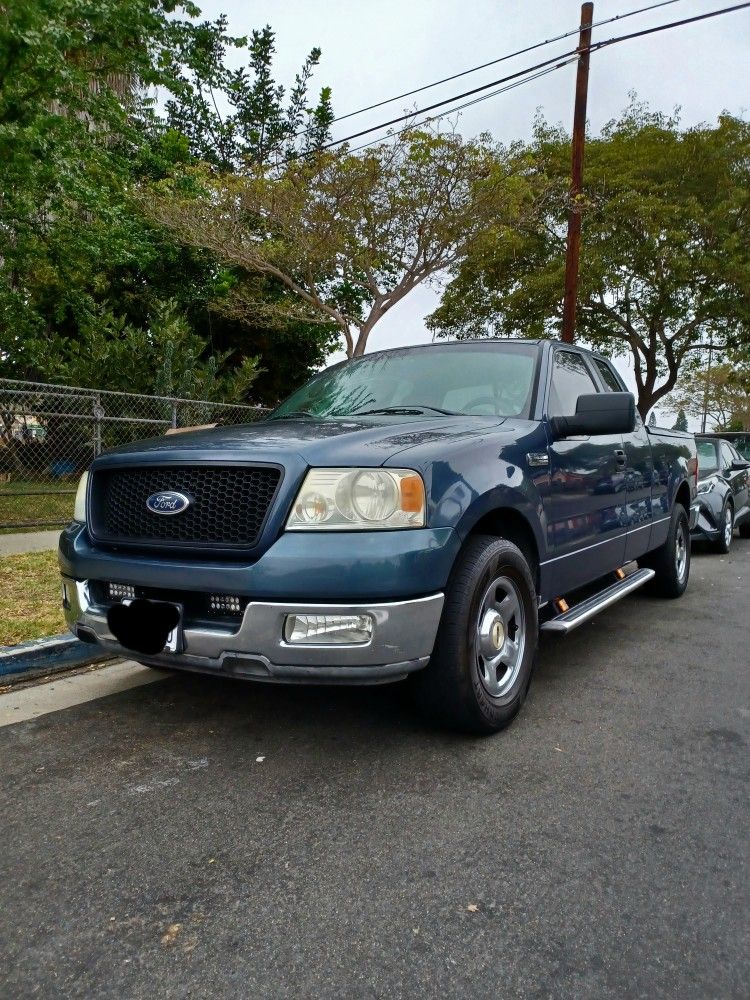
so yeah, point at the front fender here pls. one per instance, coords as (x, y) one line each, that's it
(522, 501)
(488, 476)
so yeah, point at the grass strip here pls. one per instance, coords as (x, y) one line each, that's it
(30, 602)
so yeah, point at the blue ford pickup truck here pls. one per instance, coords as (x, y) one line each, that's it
(419, 512)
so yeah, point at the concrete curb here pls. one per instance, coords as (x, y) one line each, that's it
(46, 656)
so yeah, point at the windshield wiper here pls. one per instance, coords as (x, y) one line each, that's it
(408, 409)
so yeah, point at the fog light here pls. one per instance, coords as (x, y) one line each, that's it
(328, 630)
(121, 591)
(225, 604)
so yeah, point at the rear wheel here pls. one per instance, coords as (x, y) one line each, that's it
(724, 542)
(485, 648)
(671, 561)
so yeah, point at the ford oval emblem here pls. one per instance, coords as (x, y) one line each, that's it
(168, 502)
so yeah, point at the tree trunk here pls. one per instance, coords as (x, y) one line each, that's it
(649, 393)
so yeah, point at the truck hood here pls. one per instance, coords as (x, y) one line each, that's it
(362, 440)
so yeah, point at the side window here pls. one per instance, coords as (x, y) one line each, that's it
(608, 376)
(570, 379)
(726, 456)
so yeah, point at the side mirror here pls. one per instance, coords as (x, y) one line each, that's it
(739, 465)
(598, 413)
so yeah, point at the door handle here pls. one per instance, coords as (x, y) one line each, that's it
(620, 458)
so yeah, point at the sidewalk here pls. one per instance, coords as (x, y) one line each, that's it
(31, 541)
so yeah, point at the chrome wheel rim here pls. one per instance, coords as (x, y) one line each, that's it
(728, 526)
(681, 552)
(500, 636)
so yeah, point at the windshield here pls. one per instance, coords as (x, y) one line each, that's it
(707, 461)
(742, 444)
(489, 379)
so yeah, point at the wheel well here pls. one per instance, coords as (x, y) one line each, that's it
(683, 496)
(505, 522)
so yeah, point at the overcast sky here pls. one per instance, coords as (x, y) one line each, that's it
(374, 50)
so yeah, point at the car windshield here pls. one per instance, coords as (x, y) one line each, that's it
(707, 461)
(742, 444)
(488, 379)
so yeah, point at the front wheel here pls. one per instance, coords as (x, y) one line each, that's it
(671, 561)
(724, 542)
(485, 648)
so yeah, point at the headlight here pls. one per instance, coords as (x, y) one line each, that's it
(359, 500)
(706, 486)
(79, 509)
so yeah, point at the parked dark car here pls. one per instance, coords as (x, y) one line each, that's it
(422, 511)
(723, 493)
(740, 440)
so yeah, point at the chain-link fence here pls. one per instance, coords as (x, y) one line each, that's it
(50, 433)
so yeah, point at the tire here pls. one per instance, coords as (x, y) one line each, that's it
(724, 542)
(486, 644)
(672, 573)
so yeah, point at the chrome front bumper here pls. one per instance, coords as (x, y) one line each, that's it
(402, 641)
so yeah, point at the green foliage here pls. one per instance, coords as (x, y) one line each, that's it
(80, 264)
(163, 356)
(681, 423)
(719, 392)
(291, 350)
(665, 259)
(232, 117)
(349, 236)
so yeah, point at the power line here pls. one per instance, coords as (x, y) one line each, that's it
(532, 69)
(470, 104)
(494, 62)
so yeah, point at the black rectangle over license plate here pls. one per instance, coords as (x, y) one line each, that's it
(176, 639)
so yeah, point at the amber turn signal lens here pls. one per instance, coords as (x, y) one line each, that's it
(412, 494)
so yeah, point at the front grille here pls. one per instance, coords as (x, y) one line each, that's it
(228, 507)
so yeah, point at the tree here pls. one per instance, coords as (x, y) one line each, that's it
(79, 260)
(720, 393)
(290, 351)
(665, 262)
(68, 71)
(680, 423)
(652, 420)
(348, 236)
(255, 125)
(259, 124)
(161, 356)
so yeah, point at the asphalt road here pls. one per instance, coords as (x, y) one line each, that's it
(195, 838)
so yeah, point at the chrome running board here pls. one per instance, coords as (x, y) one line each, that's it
(586, 610)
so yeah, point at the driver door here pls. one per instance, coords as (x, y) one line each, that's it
(586, 505)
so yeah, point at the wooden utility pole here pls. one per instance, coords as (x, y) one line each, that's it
(576, 177)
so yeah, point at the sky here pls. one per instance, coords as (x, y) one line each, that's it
(374, 50)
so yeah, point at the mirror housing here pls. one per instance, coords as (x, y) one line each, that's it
(739, 466)
(598, 413)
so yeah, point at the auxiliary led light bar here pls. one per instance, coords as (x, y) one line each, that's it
(121, 592)
(225, 604)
